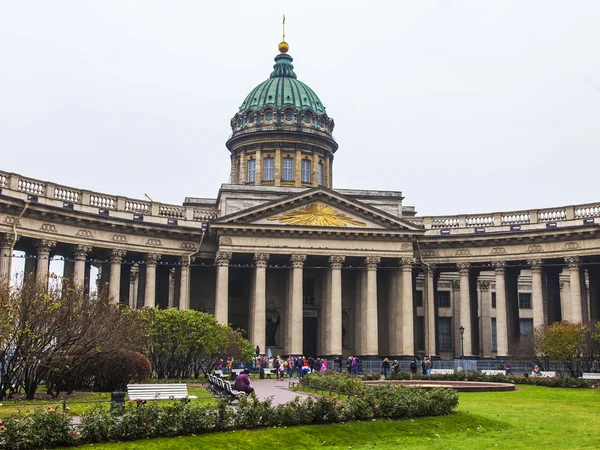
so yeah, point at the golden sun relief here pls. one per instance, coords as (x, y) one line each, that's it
(317, 215)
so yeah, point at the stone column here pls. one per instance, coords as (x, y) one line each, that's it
(465, 308)
(408, 324)
(575, 282)
(6, 242)
(501, 313)
(44, 247)
(134, 274)
(429, 304)
(171, 291)
(79, 255)
(184, 283)
(369, 333)
(537, 292)
(114, 287)
(150, 290)
(294, 309)
(486, 320)
(222, 292)
(394, 314)
(333, 341)
(258, 311)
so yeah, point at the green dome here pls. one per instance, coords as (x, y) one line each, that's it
(281, 90)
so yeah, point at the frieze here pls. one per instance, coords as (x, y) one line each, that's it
(188, 245)
(406, 247)
(48, 227)
(429, 253)
(11, 220)
(85, 234)
(225, 240)
(498, 251)
(154, 242)
(534, 248)
(119, 238)
(571, 246)
(463, 252)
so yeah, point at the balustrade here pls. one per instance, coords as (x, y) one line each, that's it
(450, 222)
(102, 201)
(552, 215)
(516, 219)
(67, 195)
(587, 211)
(137, 207)
(31, 187)
(480, 221)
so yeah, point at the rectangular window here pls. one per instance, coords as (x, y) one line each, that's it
(288, 169)
(268, 169)
(525, 300)
(418, 298)
(306, 170)
(493, 299)
(525, 326)
(445, 333)
(443, 299)
(494, 340)
(251, 170)
(320, 174)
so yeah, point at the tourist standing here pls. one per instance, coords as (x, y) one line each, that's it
(428, 366)
(324, 365)
(385, 366)
(291, 366)
(423, 367)
(349, 363)
(354, 366)
(413, 367)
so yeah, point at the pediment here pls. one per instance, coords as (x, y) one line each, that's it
(316, 208)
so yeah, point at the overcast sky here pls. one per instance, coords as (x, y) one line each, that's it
(464, 106)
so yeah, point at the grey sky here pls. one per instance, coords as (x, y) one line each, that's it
(465, 106)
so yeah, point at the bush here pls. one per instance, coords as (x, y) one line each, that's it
(119, 369)
(477, 376)
(40, 429)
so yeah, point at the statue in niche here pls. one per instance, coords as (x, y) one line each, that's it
(272, 328)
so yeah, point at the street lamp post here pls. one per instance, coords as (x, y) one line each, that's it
(462, 342)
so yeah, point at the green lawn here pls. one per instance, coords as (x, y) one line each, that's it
(79, 402)
(531, 417)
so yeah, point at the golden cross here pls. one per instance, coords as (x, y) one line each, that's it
(283, 28)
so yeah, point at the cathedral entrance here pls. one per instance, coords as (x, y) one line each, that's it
(309, 333)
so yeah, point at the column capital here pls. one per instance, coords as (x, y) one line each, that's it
(261, 259)
(455, 285)
(7, 239)
(45, 245)
(372, 262)
(81, 250)
(407, 263)
(336, 261)
(484, 285)
(535, 265)
(134, 272)
(152, 258)
(463, 268)
(116, 255)
(572, 262)
(222, 259)
(429, 268)
(499, 266)
(185, 260)
(297, 261)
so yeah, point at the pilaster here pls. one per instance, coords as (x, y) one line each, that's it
(222, 261)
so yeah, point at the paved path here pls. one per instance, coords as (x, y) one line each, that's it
(276, 389)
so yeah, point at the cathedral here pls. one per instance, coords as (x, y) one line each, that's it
(305, 268)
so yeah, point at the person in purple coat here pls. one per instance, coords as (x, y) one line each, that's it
(242, 382)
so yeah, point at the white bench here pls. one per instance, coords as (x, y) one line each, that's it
(550, 374)
(591, 376)
(268, 371)
(158, 391)
(493, 372)
(442, 371)
(218, 373)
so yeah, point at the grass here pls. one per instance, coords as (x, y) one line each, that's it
(531, 417)
(79, 402)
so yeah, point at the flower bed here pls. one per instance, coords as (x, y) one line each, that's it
(477, 376)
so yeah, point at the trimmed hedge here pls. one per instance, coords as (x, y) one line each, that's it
(477, 376)
(138, 420)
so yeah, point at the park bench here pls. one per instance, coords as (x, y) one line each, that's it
(268, 371)
(442, 371)
(158, 391)
(550, 374)
(493, 372)
(218, 373)
(224, 388)
(591, 376)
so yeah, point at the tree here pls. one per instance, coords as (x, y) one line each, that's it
(188, 342)
(57, 334)
(564, 342)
